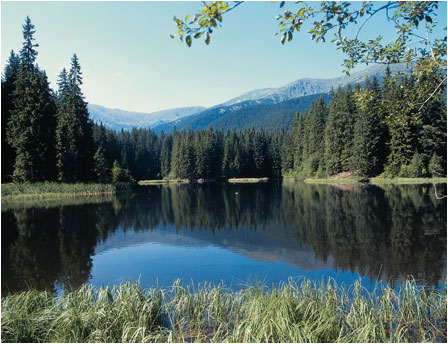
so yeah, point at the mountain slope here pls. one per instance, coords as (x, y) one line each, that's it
(256, 108)
(307, 86)
(250, 114)
(117, 119)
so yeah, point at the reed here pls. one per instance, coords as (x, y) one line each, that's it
(296, 311)
(46, 190)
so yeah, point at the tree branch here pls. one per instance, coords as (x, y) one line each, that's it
(432, 94)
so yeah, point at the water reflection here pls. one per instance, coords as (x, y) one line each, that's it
(384, 233)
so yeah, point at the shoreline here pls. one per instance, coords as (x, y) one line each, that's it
(11, 192)
(304, 311)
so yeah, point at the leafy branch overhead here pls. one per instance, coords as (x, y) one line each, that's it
(324, 18)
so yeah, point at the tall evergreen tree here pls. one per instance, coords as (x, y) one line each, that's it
(30, 129)
(74, 132)
(9, 78)
(401, 125)
(314, 138)
(339, 131)
(165, 155)
(367, 131)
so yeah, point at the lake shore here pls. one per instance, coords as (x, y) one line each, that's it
(12, 192)
(296, 311)
(374, 181)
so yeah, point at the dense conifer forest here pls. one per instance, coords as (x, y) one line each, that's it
(367, 129)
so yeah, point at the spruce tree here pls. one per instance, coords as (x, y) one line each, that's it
(400, 124)
(314, 137)
(30, 129)
(74, 133)
(339, 131)
(165, 154)
(9, 78)
(367, 131)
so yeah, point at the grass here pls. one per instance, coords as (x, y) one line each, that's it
(17, 203)
(332, 180)
(379, 180)
(293, 312)
(247, 180)
(46, 190)
(163, 181)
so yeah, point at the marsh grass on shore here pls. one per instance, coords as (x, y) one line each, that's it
(293, 312)
(46, 190)
(404, 181)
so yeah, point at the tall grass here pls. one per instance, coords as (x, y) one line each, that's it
(42, 190)
(293, 312)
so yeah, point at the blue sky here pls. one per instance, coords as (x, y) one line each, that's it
(130, 62)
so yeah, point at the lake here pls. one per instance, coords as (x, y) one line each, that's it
(234, 233)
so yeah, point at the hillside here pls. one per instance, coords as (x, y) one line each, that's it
(249, 114)
(270, 108)
(307, 86)
(117, 119)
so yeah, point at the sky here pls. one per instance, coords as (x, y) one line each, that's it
(129, 61)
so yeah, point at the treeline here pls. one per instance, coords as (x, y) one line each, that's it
(47, 135)
(394, 129)
(209, 154)
(371, 129)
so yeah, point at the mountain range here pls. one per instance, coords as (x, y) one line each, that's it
(270, 108)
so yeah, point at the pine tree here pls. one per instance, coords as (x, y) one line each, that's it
(165, 154)
(9, 78)
(435, 166)
(30, 129)
(339, 131)
(101, 169)
(314, 138)
(74, 132)
(367, 131)
(431, 113)
(400, 124)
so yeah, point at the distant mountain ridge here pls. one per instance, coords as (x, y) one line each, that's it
(249, 114)
(117, 119)
(308, 86)
(234, 113)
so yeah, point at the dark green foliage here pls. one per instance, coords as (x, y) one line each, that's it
(366, 131)
(74, 134)
(401, 127)
(165, 154)
(101, 170)
(246, 115)
(31, 126)
(415, 169)
(435, 167)
(9, 78)
(339, 131)
(121, 175)
(367, 149)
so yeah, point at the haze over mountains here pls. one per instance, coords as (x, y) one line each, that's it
(270, 108)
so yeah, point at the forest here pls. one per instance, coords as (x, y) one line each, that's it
(368, 129)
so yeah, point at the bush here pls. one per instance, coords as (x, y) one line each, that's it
(121, 175)
(416, 167)
(435, 166)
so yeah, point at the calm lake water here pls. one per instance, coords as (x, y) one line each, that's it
(232, 233)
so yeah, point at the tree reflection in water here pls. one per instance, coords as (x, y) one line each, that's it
(387, 232)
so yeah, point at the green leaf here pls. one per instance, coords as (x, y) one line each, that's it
(188, 40)
(283, 39)
(207, 38)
